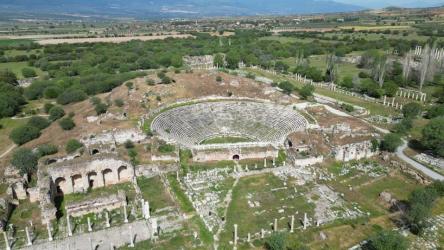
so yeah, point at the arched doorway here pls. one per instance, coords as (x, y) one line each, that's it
(123, 173)
(92, 180)
(94, 151)
(77, 183)
(107, 177)
(236, 157)
(60, 184)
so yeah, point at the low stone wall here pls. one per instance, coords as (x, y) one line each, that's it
(234, 153)
(308, 161)
(96, 205)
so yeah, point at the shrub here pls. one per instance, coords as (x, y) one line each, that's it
(67, 123)
(46, 149)
(129, 85)
(276, 241)
(70, 96)
(24, 134)
(28, 72)
(72, 146)
(101, 108)
(347, 107)
(166, 148)
(306, 91)
(47, 107)
(119, 103)
(386, 240)
(287, 87)
(24, 160)
(412, 110)
(129, 144)
(39, 122)
(95, 100)
(56, 113)
(218, 78)
(150, 82)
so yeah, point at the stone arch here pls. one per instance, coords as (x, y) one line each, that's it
(123, 173)
(92, 180)
(60, 185)
(77, 183)
(236, 157)
(108, 177)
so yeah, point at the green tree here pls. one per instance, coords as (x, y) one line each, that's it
(391, 142)
(24, 160)
(24, 134)
(233, 59)
(435, 111)
(218, 60)
(387, 240)
(412, 110)
(433, 135)
(67, 123)
(277, 241)
(7, 76)
(52, 92)
(73, 145)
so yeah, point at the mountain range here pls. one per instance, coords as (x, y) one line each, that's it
(173, 8)
(154, 9)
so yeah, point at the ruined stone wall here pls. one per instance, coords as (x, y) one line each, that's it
(96, 205)
(353, 151)
(230, 153)
(79, 174)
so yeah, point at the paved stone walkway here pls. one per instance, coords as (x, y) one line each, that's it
(425, 170)
(103, 239)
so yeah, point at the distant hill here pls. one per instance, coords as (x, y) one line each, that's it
(173, 8)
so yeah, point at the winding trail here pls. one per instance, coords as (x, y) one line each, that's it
(8, 150)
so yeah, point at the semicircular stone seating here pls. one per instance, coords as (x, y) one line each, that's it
(261, 122)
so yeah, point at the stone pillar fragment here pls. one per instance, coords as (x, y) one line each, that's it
(8, 247)
(292, 224)
(125, 215)
(89, 225)
(235, 235)
(48, 227)
(68, 224)
(28, 237)
(107, 219)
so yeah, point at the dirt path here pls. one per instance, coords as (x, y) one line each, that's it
(227, 202)
(8, 150)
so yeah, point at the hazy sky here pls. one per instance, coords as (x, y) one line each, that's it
(402, 3)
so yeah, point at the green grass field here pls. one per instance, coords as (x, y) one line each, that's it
(15, 42)
(17, 67)
(8, 125)
(252, 220)
(153, 191)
